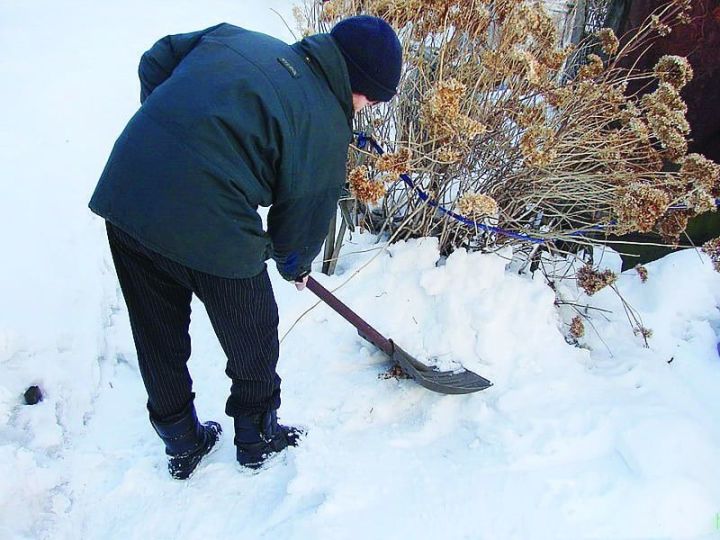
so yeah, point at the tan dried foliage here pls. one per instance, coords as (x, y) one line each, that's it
(331, 10)
(448, 153)
(531, 115)
(537, 146)
(700, 201)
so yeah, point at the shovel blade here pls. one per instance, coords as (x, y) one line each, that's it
(444, 382)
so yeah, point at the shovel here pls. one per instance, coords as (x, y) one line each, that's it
(445, 382)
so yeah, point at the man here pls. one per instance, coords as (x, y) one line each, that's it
(231, 120)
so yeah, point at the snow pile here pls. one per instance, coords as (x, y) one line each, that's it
(605, 440)
(570, 443)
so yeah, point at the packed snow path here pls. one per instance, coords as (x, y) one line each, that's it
(608, 441)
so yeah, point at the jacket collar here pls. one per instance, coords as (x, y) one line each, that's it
(326, 55)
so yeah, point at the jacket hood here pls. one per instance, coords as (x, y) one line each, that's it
(324, 52)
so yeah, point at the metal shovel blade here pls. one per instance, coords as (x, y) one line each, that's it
(445, 382)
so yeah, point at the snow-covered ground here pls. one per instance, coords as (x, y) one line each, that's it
(609, 440)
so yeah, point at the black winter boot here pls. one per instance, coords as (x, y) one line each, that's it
(258, 436)
(186, 440)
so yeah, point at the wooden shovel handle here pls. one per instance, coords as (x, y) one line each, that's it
(364, 329)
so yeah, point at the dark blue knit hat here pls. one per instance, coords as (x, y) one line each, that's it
(373, 55)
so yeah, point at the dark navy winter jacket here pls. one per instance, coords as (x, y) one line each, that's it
(232, 120)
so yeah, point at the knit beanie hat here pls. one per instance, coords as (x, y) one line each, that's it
(373, 55)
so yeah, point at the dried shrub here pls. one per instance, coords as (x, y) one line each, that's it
(487, 105)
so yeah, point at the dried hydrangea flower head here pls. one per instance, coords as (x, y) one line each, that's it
(672, 225)
(477, 205)
(527, 66)
(331, 10)
(608, 41)
(665, 114)
(363, 188)
(659, 26)
(639, 206)
(700, 201)
(528, 24)
(577, 327)
(448, 153)
(642, 272)
(537, 146)
(442, 117)
(592, 69)
(674, 70)
(592, 281)
(697, 170)
(443, 105)
(395, 163)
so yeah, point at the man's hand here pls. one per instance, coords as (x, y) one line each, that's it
(301, 282)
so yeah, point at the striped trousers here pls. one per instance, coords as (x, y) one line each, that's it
(243, 314)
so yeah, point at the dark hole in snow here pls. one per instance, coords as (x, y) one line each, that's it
(33, 395)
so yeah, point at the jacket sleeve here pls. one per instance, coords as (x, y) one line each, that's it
(158, 63)
(297, 229)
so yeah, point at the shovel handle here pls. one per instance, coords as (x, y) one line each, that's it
(364, 329)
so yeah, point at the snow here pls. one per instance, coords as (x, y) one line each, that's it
(607, 439)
